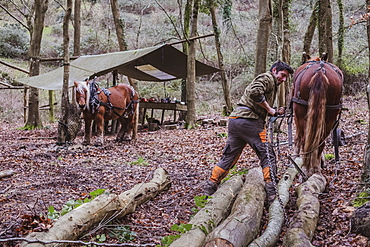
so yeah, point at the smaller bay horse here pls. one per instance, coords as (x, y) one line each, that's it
(316, 99)
(99, 104)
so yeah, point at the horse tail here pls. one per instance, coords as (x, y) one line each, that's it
(315, 127)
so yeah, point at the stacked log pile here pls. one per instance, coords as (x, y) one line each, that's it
(241, 224)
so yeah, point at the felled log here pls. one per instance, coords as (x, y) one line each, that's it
(276, 213)
(6, 173)
(242, 225)
(360, 220)
(71, 225)
(303, 224)
(215, 211)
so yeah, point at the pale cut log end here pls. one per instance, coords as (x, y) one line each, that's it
(218, 242)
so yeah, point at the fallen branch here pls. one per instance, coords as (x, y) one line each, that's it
(242, 225)
(303, 224)
(276, 213)
(216, 210)
(73, 224)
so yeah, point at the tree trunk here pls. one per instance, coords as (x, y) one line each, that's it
(276, 215)
(185, 49)
(119, 24)
(365, 177)
(225, 84)
(329, 32)
(79, 220)
(340, 34)
(215, 211)
(190, 80)
(77, 29)
(242, 225)
(303, 224)
(63, 136)
(41, 6)
(325, 29)
(263, 33)
(310, 29)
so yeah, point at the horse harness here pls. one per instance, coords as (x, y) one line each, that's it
(336, 132)
(298, 99)
(95, 102)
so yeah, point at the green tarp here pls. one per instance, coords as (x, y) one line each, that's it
(159, 63)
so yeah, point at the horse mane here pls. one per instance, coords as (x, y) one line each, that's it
(83, 88)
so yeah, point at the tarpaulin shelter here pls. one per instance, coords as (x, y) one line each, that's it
(158, 63)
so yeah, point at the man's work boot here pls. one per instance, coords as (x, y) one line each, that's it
(209, 188)
(270, 193)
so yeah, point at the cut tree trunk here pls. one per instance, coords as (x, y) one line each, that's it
(242, 225)
(276, 214)
(360, 220)
(215, 211)
(303, 224)
(6, 173)
(106, 206)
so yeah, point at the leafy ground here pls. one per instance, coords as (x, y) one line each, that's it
(50, 175)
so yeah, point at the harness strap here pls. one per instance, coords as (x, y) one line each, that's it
(305, 102)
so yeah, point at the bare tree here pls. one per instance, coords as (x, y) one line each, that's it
(263, 33)
(325, 29)
(63, 126)
(340, 34)
(190, 80)
(77, 29)
(36, 28)
(310, 29)
(365, 178)
(225, 84)
(119, 24)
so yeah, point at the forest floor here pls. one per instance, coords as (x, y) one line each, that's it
(50, 175)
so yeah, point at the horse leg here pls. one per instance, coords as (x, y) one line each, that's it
(87, 136)
(121, 131)
(127, 135)
(99, 120)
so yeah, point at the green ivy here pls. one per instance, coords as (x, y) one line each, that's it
(362, 198)
(72, 204)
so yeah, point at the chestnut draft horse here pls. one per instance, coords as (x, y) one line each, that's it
(316, 99)
(100, 104)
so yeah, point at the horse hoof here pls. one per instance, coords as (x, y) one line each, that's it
(98, 144)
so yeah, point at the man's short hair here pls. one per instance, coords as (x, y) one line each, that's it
(280, 65)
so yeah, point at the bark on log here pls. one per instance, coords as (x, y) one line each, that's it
(79, 220)
(215, 211)
(6, 173)
(242, 225)
(303, 224)
(276, 214)
(360, 220)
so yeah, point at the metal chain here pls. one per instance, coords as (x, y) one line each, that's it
(273, 178)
